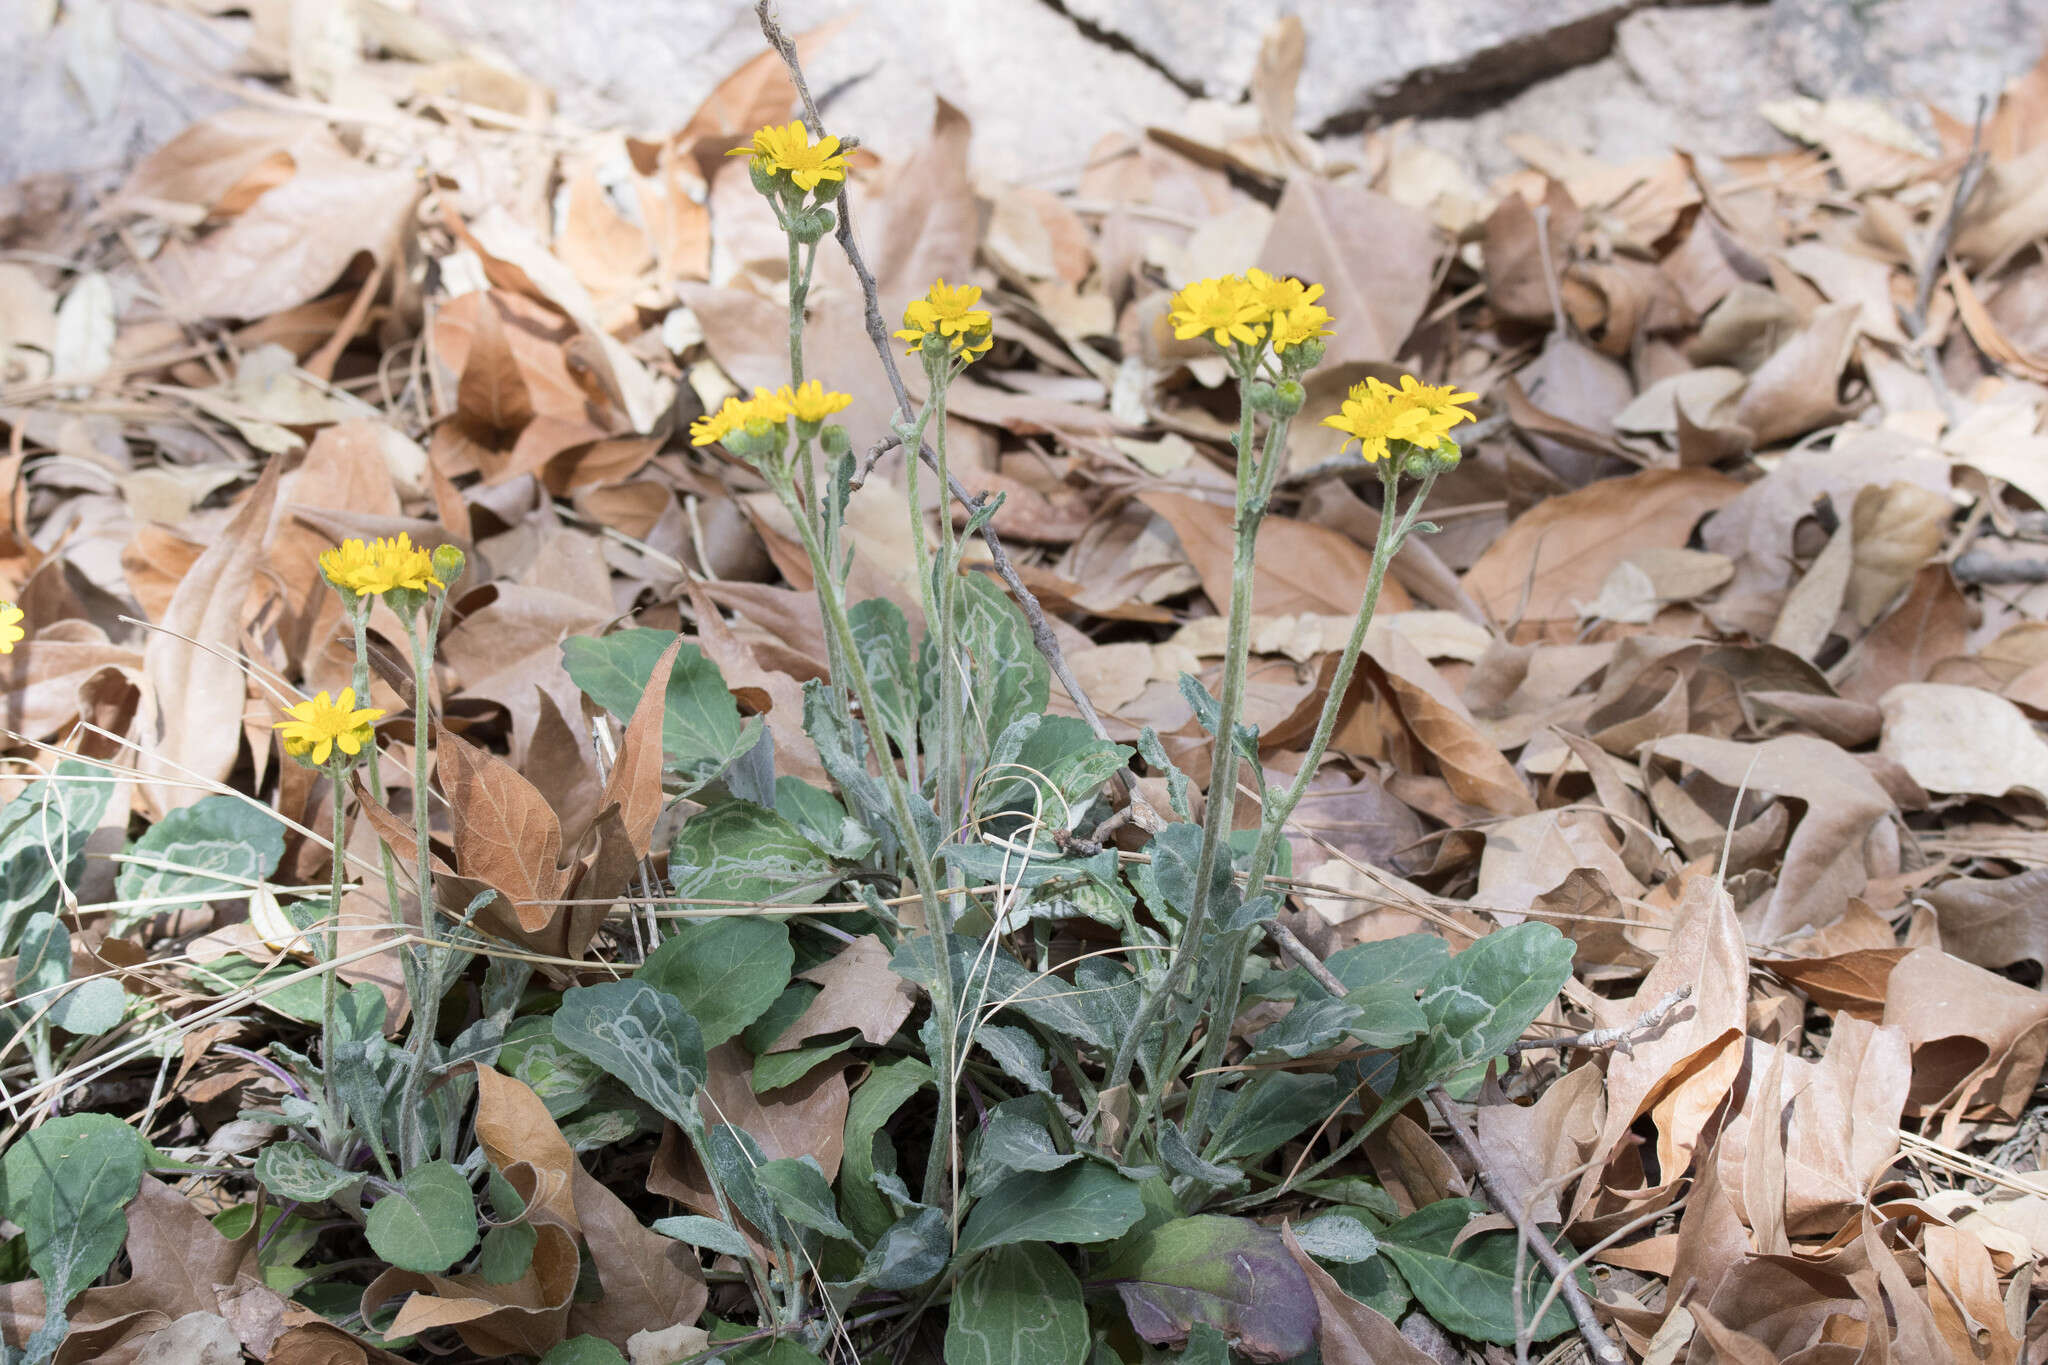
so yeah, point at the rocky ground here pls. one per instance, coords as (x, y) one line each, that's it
(99, 82)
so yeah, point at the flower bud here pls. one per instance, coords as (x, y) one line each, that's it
(1288, 396)
(808, 225)
(1306, 356)
(449, 562)
(763, 178)
(835, 440)
(1263, 397)
(1447, 455)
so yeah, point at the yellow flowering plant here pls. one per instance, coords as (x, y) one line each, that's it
(325, 729)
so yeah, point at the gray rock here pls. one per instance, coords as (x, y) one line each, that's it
(1903, 51)
(1370, 58)
(111, 80)
(1694, 76)
(1040, 92)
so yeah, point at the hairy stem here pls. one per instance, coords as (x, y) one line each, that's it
(426, 1005)
(944, 995)
(1221, 799)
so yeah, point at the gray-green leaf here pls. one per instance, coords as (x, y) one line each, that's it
(212, 848)
(640, 1035)
(724, 972)
(1083, 1203)
(428, 1223)
(67, 1184)
(292, 1170)
(798, 1189)
(1019, 1305)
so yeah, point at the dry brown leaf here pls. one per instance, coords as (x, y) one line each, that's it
(1350, 1332)
(1825, 862)
(1300, 567)
(860, 992)
(635, 781)
(505, 836)
(1376, 259)
(1963, 739)
(194, 684)
(1561, 550)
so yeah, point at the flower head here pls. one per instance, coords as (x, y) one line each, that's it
(811, 402)
(380, 566)
(1225, 308)
(757, 417)
(1303, 322)
(714, 427)
(1421, 414)
(1279, 294)
(321, 725)
(949, 312)
(788, 150)
(11, 633)
(1433, 409)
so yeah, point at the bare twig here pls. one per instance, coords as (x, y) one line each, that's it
(1945, 236)
(878, 332)
(1598, 1343)
(1978, 567)
(1622, 1038)
(1929, 267)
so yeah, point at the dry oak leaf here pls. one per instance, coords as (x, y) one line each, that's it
(1561, 550)
(504, 833)
(860, 992)
(1963, 739)
(1300, 568)
(1681, 1074)
(1474, 768)
(1825, 861)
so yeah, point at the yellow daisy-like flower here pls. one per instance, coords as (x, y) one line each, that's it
(1372, 416)
(951, 313)
(811, 401)
(1225, 308)
(756, 416)
(11, 633)
(1304, 322)
(380, 566)
(1279, 294)
(788, 150)
(320, 726)
(1438, 406)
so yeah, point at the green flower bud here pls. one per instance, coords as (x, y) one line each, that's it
(835, 441)
(1447, 455)
(763, 178)
(449, 562)
(808, 225)
(1263, 397)
(1288, 396)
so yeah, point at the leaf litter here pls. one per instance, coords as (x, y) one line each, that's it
(1727, 661)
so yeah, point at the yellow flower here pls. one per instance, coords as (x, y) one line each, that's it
(714, 427)
(951, 313)
(1437, 406)
(1372, 415)
(1225, 308)
(1279, 295)
(380, 566)
(11, 633)
(811, 402)
(788, 150)
(1303, 322)
(320, 726)
(756, 416)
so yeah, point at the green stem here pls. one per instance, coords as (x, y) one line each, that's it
(1222, 792)
(952, 702)
(426, 1005)
(1394, 528)
(359, 618)
(328, 987)
(944, 995)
